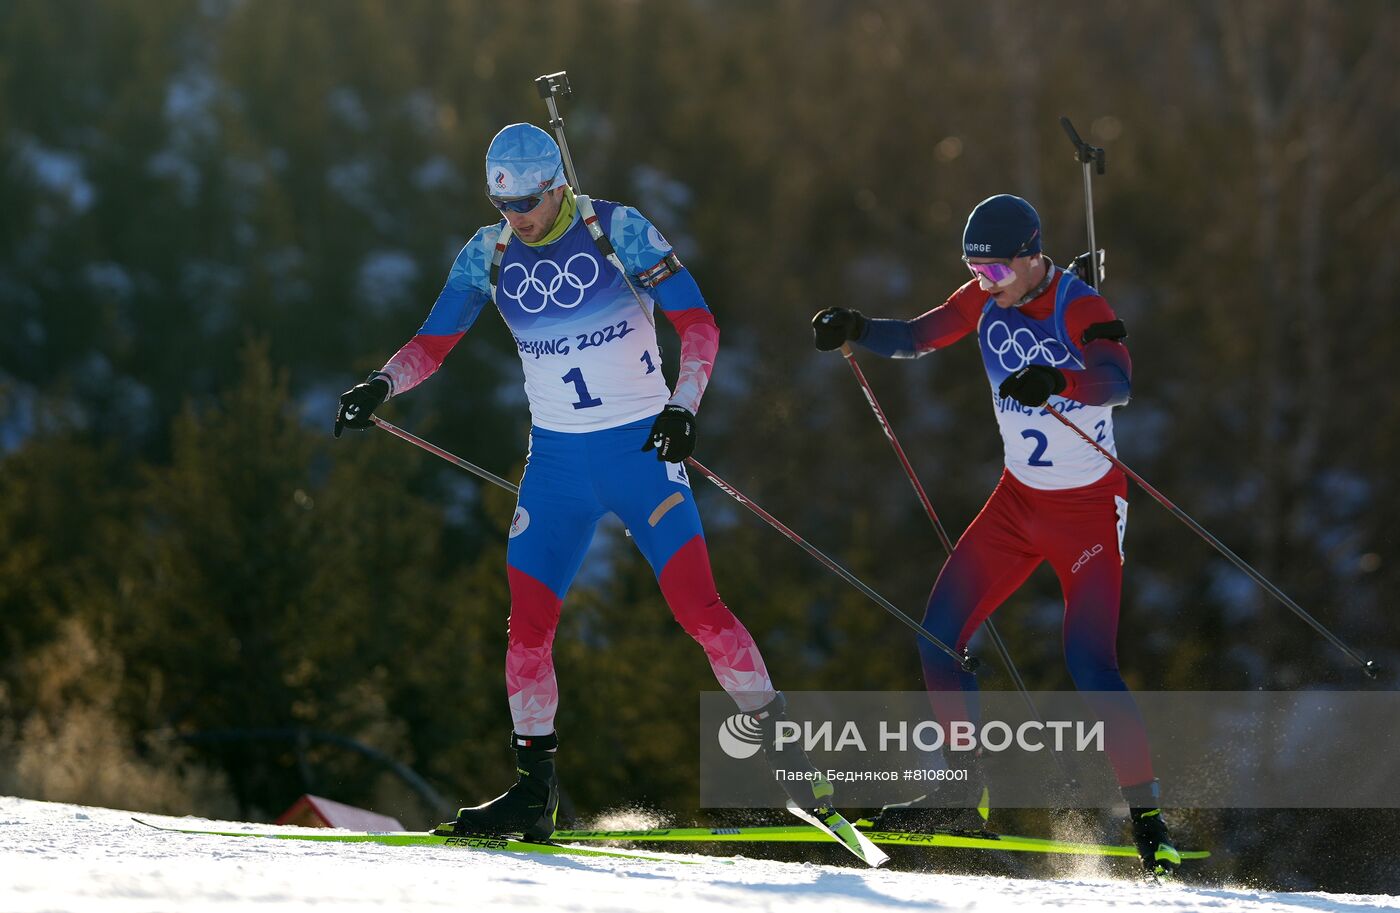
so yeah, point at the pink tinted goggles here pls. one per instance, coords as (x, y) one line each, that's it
(992, 275)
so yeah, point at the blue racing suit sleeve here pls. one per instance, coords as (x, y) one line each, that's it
(466, 292)
(890, 338)
(649, 259)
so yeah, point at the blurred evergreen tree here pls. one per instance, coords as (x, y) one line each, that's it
(272, 588)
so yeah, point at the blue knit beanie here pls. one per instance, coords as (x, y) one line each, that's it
(1003, 227)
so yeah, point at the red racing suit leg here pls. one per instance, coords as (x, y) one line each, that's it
(1078, 531)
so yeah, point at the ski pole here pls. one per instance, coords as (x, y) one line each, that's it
(451, 458)
(1087, 155)
(454, 459)
(995, 636)
(1367, 666)
(947, 543)
(968, 663)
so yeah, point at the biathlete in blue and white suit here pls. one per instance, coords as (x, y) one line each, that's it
(607, 436)
(1048, 342)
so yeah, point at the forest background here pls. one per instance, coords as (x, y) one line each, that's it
(218, 214)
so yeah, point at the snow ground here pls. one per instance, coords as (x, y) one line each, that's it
(57, 857)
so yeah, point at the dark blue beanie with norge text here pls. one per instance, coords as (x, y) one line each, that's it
(1003, 226)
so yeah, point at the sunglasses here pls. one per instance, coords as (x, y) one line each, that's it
(518, 204)
(992, 275)
(999, 273)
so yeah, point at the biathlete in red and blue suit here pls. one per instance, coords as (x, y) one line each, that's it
(1048, 341)
(599, 406)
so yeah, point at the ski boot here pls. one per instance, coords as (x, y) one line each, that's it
(805, 785)
(960, 806)
(528, 808)
(1154, 843)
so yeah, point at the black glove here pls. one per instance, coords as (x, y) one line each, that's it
(672, 434)
(359, 402)
(834, 327)
(1033, 385)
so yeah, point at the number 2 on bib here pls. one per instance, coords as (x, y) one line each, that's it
(1041, 442)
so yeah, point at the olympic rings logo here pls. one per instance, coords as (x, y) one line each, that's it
(1024, 346)
(547, 280)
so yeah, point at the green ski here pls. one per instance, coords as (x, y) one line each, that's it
(410, 838)
(831, 823)
(799, 834)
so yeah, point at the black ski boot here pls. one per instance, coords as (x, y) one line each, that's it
(1154, 843)
(528, 808)
(960, 806)
(800, 779)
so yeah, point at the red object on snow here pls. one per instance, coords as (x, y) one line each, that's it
(314, 811)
